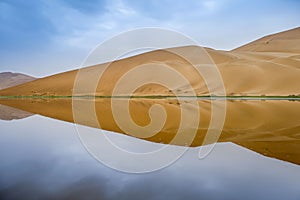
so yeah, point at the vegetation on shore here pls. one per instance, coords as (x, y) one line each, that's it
(296, 97)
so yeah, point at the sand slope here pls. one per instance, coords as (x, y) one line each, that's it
(260, 68)
(268, 66)
(286, 41)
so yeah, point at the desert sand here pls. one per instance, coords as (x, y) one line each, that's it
(268, 66)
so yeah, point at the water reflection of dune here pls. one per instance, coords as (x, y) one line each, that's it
(270, 127)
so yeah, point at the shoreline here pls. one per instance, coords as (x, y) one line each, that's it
(290, 97)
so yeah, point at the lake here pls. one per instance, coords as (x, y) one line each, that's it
(44, 155)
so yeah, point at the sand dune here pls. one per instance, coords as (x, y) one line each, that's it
(269, 66)
(287, 41)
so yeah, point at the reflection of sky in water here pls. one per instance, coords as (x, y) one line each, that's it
(42, 157)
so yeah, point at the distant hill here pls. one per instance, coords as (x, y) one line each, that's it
(9, 79)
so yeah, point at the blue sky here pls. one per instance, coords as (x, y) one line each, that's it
(42, 37)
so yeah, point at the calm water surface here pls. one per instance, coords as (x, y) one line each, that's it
(43, 158)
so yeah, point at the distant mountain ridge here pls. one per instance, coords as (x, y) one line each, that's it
(10, 79)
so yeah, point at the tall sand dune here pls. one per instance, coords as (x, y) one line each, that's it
(268, 66)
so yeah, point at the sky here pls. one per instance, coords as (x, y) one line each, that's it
(42, 37)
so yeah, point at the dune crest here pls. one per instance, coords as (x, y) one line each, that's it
(286, 41)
